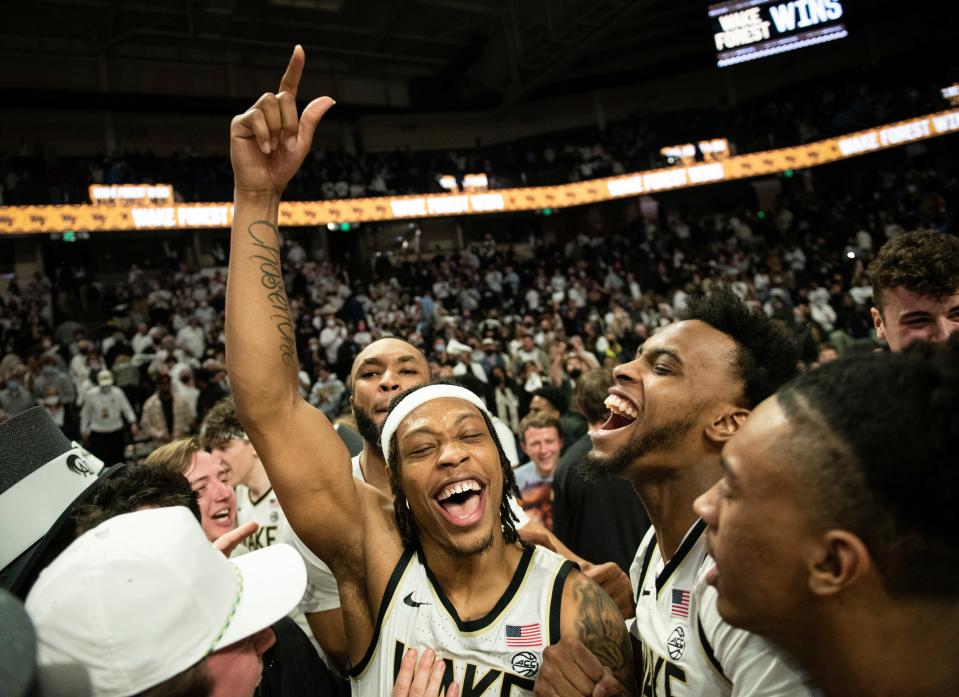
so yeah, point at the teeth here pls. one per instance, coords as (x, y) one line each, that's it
(623, 407)
(458, 488)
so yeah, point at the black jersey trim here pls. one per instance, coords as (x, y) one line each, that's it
(556, 599)
(708, 650)
(357, 670)
(249, 496)
(691, 538)
(648, 557)
(486, 620)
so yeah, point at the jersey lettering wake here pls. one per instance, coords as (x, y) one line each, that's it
(497, 655)
(688, 650)
(266, 511)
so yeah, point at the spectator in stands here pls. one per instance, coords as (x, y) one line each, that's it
(166, 414)
(915, 279)
(327, 393)
(15, 398)
(542, 443)
(552, 402)
(104, 419)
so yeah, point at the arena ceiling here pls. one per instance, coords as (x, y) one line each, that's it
(447, 54)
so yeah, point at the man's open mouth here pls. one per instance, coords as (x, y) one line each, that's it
(622, 413)
(221, 515)
(462, 501)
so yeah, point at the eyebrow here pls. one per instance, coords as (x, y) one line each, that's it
(425, 428)
(914, 314)
(654, 353)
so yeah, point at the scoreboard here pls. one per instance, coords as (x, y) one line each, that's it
(745, 30)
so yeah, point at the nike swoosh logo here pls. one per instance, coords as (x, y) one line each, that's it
(412, 603)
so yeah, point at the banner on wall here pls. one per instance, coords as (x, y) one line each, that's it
(188, 216)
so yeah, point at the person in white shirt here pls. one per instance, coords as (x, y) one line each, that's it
(192, 338)
(104, 416)
(688, 391)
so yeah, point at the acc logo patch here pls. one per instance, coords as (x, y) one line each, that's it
(526, 663)
(676, 643)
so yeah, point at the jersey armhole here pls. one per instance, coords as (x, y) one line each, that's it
(556, 599)
(391, 586)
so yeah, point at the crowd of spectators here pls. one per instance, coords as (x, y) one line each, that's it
(513, 320)
(796, 115)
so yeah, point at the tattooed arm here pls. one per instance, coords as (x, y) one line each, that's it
(306, 461)
(594, 654)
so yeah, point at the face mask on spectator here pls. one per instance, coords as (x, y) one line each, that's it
(13, 385)
(51, 401)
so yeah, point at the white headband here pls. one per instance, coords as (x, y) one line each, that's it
(419, 398)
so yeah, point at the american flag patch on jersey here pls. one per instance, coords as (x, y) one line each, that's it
(523, 635)
(680, 607)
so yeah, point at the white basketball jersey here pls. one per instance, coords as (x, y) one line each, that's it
(265, 510)
(688, 650)
(499, 654)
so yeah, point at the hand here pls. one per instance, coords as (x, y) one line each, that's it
(615, 582)
(227, 542)
(577, 343)
(134, 430)
(535, 537)
(423, 680)
(268, 142)
(570, 669)
(85, 436)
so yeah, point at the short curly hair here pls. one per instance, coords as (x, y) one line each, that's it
(881, 462)
(220, 425)
(923, 261)
(767, 351)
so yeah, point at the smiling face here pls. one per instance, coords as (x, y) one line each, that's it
(450, 471)
(380, 372)
(760, 533)
(216, 497)
(543, 445)
(662, 401)
(909, 316)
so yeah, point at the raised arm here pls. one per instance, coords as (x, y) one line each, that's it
(306, 461)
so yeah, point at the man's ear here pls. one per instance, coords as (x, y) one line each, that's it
(726, 424)
(877, 323)
(841, 561)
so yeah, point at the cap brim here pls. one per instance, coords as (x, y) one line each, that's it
(274, 580)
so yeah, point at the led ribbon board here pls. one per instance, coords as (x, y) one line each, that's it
(190, 216)
(745, 30)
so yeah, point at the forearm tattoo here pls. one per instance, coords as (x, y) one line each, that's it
(272, 280)
(602, 630)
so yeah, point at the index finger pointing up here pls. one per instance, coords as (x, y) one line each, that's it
(291, 78)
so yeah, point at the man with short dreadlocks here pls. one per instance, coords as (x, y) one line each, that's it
(445, 569)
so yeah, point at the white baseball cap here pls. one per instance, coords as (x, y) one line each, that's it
(144, 596)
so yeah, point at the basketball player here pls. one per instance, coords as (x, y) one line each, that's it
(839, 511)
(915, 288)
(223, 436)
(689, 389)
(443, 569)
